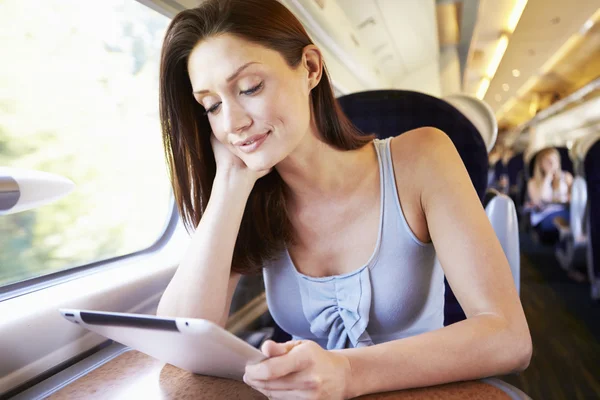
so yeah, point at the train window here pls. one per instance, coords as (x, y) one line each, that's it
(79, 98)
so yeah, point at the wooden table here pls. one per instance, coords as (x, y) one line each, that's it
(134, 375)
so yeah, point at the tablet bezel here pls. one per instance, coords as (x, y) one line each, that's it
(113, 325)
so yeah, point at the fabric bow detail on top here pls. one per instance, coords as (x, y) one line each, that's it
(337, 308)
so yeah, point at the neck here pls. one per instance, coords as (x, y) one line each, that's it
(316, 171)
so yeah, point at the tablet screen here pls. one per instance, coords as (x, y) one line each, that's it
(131, 321)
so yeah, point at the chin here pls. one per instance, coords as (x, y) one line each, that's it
(259, 163)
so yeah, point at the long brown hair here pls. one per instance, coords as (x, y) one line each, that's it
(265, 229)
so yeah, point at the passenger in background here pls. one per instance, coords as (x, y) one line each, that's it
(499, 160)
(493, 158)
(549, 193)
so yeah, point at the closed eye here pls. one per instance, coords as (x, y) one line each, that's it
(212, 109)
(248, 92)
(252, 90)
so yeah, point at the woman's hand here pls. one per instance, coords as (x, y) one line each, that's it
(299, 369)
(231, 166)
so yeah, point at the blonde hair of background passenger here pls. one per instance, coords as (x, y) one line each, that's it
(538, 172)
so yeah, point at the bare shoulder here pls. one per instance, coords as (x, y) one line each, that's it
(414, 154)
(433, 169)
(421, 149)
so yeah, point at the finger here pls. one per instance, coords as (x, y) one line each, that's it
(278, 367)
(285, 394)
(296, 381)
(273, 349)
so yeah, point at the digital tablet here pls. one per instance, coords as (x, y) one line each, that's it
(196, 345)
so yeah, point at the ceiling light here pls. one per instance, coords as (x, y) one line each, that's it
(534, 105)
(513, 20)
(515, 14)
(497, 57)
(483, 87)
(516, 73)
(586, 27)
(505, 87)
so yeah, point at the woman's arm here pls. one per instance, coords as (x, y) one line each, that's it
(203, 284)
(533, 191)
(569, 181)
(495, 339)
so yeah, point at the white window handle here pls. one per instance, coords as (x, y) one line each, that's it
(22, 189)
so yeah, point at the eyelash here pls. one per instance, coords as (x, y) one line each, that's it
(248, 92)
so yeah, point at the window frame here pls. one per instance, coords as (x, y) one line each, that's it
(132, 284)
(41, 282)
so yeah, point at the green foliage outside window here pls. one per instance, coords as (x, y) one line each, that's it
(79, 98)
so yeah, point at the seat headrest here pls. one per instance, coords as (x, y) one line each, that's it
(583, 145)
(479, 113)
(489, 195)
(580, 148)
(389, 113)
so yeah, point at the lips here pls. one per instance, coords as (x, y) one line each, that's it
(251, 139)
(252, 143)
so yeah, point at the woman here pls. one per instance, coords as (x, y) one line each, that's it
(274, 177)
(549, 193)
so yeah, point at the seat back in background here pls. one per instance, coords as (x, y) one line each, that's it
(579, 199)
(502, 214)
(592, 177)
(514, 167)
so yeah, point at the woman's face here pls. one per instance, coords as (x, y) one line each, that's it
(257, 105)
(550, 164)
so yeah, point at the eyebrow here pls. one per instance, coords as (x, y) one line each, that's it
(232, 77)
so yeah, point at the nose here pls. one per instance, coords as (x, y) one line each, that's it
(236, 119)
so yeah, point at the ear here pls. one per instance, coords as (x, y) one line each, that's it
(312, 61)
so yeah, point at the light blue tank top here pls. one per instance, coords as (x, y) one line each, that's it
(398, 293)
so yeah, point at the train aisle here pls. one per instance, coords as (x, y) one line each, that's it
(565, 328)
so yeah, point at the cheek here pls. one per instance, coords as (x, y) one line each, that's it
(214, 127)
(285, 111)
